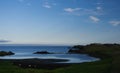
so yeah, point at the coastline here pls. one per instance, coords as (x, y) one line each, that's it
(109, 53)
(109, 63)
(38, 63)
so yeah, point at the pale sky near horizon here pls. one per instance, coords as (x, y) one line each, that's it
(59, 21)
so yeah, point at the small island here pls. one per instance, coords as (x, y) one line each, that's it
(42, 52)
(4, 53)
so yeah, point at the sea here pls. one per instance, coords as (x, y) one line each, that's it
(60, 52)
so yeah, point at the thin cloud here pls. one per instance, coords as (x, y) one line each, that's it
(99, 8)
(97, 11)
(71, 9)
(4, 41)
(47, 6)
(83, 11)
(115, 23)
(94, 19)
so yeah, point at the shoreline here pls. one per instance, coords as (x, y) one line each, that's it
(108, 53)
(39, 63)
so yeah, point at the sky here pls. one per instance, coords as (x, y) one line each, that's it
(59, 21)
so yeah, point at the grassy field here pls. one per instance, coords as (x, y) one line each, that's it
(103, 66)
(104, 51)
(109, 63)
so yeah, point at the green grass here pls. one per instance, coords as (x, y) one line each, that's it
(92, 67)
(8, 67)
(104, 51)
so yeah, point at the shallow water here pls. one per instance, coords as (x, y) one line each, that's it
(25, 52)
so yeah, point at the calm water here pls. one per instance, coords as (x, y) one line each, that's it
(24, 52)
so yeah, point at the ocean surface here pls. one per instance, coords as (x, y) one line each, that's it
(26, 52)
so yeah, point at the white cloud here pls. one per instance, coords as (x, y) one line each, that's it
(94, 19)
(71, 9)
(115, 23)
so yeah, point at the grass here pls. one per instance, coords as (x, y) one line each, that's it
(105, 52)
(92, 67)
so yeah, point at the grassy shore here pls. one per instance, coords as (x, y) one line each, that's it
(103, 66)
(109, 63)
(109, 52)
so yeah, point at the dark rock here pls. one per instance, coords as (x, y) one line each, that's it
(4, 53)
(74, 51)
(78, 47)
(42, 52)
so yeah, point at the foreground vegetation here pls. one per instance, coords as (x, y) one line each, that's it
(109, 63)
(103, 51)
(93, 67)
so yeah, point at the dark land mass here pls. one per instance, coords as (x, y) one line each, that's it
(38, 63)
(42, 52)
(4, 53)
(103, 51)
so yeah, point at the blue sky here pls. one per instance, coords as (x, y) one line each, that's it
(59, 21)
